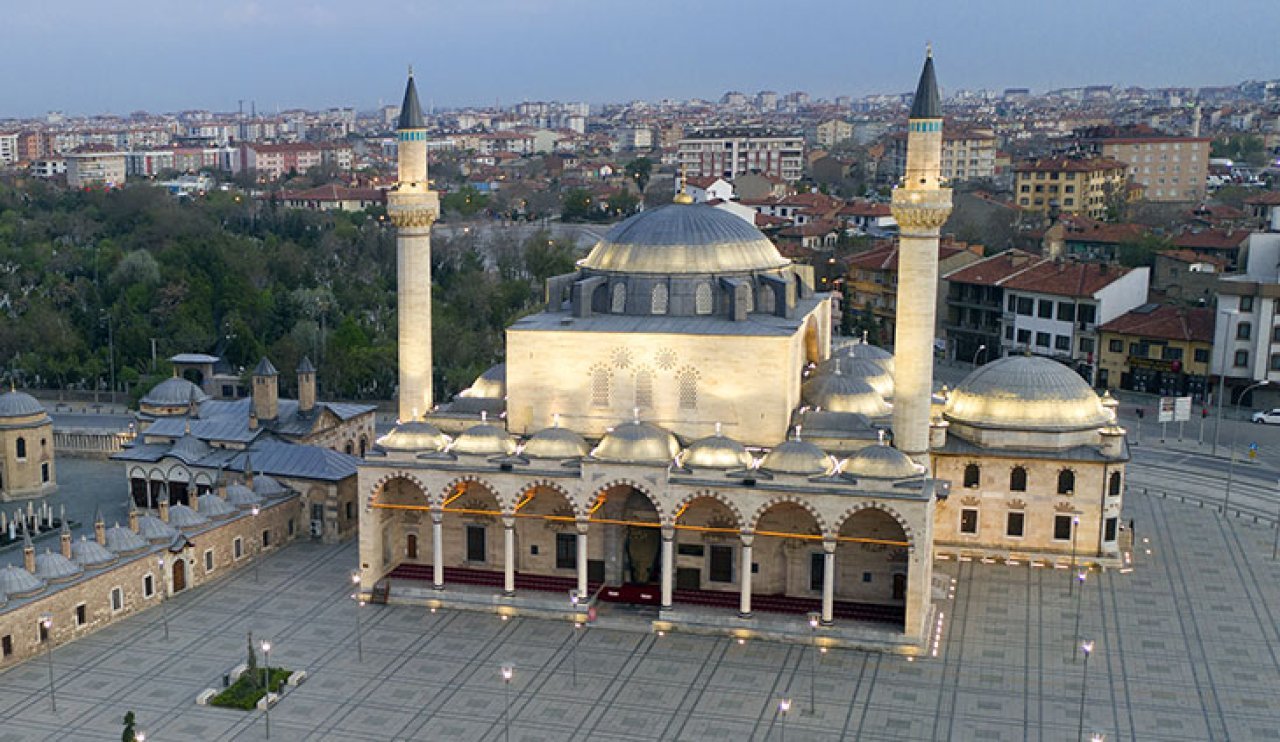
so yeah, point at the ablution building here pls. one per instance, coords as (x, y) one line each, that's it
(679, 429)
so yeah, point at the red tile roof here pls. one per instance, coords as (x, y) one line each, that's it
(1212, 239)
(1267, 198)
(1082, 229)
(1066, 278)
(1068, 164)
(1167, 322)
(1191, 256)
(885, 257)
(997, 269)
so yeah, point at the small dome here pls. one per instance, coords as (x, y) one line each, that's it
(173, 392)
(797, 457)
(240, 496)
(91, 554)
(121, 540)
(865, 369)
(52, 566)
(717, 452)
(637, 443)
(181, 516)
(155, 530)
(484, 440)
(838, 392)
(19, 404)
(17, 582)
(1026, 393)
(212, 506)
(190, 449)
(684, 239)
(881, 462)
(268, 486)
(491, 384)
(866, 352)
(555, 443)
(413, 436)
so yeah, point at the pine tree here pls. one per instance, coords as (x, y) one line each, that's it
(130, 734)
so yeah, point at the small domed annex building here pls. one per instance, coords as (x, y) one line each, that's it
(26, 448)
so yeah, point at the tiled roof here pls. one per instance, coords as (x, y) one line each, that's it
(997, 269)
(1165, 321)
(1267, 198)
(1212, 239)
(1081, 229)
(885, 258)
(1191, 256)
(1066, 278)
(1068, 164)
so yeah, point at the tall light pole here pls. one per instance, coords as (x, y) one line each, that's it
(266, 708)
(1231, 466)
(164, 589)
(507, 672)
(783, 707)
(1222, 378)
(355, 580)
(255, 510)
(1075, 533)
(46, 622)
(573, 640)
(814, 620)
(1075, 637)
(1087, 648)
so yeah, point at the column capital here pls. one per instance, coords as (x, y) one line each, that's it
(583, 525)
(747, 537)
(437, 515)
(668, 533)
(508, 521)
(829, 545)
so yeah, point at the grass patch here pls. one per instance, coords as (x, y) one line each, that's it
(248, 689)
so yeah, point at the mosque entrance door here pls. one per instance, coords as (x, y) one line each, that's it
(643, 550)
(411, 546)
(179, 574)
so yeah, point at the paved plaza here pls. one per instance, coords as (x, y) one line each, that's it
(1185, 648)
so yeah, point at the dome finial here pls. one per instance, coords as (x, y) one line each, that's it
(484, 416)
(635, 415)
(798, 432)
(682, 196)
(555, 420)
(880, 436)
(718, 427)
(928, 52)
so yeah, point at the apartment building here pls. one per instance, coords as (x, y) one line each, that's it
(966, 154)
(95, 165)
(1168, 168)
(732, 152)
(1088, 186)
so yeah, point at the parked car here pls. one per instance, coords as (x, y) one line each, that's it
(1268, 417)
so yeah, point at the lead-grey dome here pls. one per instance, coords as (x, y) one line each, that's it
(492, 384)
(212, 506)
(181, 516)
(684, 239)
(797, 457)
(52, 566)
(242, 497)
(637, 442)
(155, 530)
(1026, 392)
(555, 443)
(881, 462)
(717, 452)
(484, 440)
(19, 404)
(173, 392)
(17, 582)
(871, 371)
(121, 540)
(839, 392)
(413, 436)
(867, 352)
(91, 553)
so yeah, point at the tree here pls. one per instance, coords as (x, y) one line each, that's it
(465, 202)
(639, 170)
(1142, 251)
(130, 733)
(622, 203)
(577, 205)
(1247, 148)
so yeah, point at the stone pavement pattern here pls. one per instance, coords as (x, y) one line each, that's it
(1186, 649)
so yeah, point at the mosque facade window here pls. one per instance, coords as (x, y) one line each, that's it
(600, 383)
(1018, 479)
(20, 446)
(659, 299)
(618, 299)
(1066, 482)
(644, 389)
(688, 389)
(972, 475)
(1113, 484)
(702, 299)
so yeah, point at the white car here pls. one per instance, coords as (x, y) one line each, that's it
(1269, 417)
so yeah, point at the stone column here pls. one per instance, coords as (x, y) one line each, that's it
(828, 581)
(668, 560)
(437, 549)
(508, 555)
(744, 578)
(583, 526)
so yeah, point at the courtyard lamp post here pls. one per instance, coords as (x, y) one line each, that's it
(1075, 636)
(46, 623)
(783, 707)
(1222, 379)
(814, 620)
(1075, 536)
(266, 708)
(164, 588)
(573, 640)
(1231, 466)
(507, 672)
(355, 580)
(255, 510)
(1087, 648)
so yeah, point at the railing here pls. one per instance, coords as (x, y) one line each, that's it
(1257, 514)
(90, 441)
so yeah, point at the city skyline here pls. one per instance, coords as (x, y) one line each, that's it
(314, 55)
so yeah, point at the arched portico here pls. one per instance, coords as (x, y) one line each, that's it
(873, 562)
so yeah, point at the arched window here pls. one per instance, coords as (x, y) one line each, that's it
(22, 448)
(618, 302)
(688, 389)
(1066, 482)
(658, 301)
(702, 299)
(644, 389)
(349, 449)
(600, 383)
(1113, 486)
(1018, 479)
(764, 302)
(972, 475)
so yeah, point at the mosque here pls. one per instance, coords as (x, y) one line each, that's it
(679, 430)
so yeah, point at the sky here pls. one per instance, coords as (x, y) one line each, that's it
(90, 56)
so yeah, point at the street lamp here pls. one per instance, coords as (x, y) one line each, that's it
(266, 708)
(46, 623)
(814, 620)
(1222, 378)
(355, 580)
(573, 640)
(783, 707)
(507, 672)
(1075, 533)
(1087, 648)
(1075, 636)
(164, 589)
(1231, 467)
(254, 511)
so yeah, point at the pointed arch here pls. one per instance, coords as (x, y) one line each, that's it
(889, 510)
(664, 517)
(803, 503)
(505, 503)
(384, 490)
(678, 507)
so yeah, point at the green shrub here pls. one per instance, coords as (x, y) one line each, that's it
(244, 693)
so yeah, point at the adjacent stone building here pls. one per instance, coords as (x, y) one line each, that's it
(26, 448)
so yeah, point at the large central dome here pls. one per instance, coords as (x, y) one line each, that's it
(1028, 393)
(684, 238)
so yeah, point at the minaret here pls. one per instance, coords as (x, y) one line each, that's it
(920, 206)
(413, 208)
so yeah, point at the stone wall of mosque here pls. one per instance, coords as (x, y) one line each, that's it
(684, 382)
(1010, 513)
(352, 437)
(26, 459)
(135, 583)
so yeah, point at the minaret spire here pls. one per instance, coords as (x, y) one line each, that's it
(920, 205)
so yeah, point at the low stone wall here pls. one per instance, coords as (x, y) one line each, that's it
(93, 442)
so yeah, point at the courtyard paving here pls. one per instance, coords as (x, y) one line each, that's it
(1186, 647)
